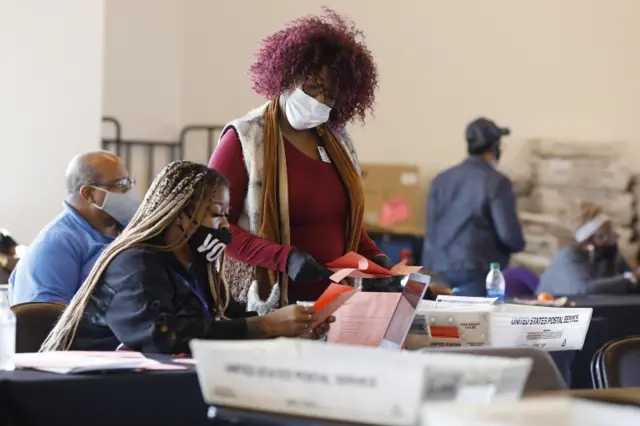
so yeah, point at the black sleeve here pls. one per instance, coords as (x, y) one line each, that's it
(143, 314)
(428, 295)
(238, 309)
(622, 265)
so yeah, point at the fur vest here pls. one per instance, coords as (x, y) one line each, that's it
(250, 131)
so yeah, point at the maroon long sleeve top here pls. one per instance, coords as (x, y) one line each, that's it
(318, 208)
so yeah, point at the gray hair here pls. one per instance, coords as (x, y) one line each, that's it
(84, 174)
(82, 171)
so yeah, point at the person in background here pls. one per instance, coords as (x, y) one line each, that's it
(471, 214)
(157, 286)
(592, 264)
(297, 200)
(8, 258)
(100, 202)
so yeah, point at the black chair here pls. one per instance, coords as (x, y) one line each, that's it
(620, 363)
(595, 377)
(34, 322)
(596, 366)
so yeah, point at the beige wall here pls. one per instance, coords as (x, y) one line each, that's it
(50, 103)
(548, 68)
(143, 76)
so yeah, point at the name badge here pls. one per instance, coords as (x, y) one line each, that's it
(323, 155)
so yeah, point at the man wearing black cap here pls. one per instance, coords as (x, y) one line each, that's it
(471, 214)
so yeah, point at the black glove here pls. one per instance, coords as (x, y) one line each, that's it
(383, 285)
(384, 261)
(302, 268)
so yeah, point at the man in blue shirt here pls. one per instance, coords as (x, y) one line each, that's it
(471, 214)
(99, 203)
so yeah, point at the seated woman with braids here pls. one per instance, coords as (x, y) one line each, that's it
(157, 286)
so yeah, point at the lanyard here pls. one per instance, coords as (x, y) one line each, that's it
(196, 290)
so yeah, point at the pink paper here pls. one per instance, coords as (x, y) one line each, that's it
(403, 269)
(341, 274)
(364, 319)
(394, 211)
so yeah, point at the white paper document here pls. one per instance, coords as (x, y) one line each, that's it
(72, 362)
(306, 382)
(551, 329)
(450, 325)
(507, 325)
(550, 411)
(443, 301)
(345, 382)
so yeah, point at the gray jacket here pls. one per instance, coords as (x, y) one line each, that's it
(471, 219)
(570, 273)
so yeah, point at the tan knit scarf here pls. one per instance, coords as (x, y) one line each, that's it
(274, 224)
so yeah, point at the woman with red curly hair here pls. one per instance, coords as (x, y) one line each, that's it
(297, 200)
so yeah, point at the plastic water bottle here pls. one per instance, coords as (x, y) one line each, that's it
(495, 283)
(7, 333)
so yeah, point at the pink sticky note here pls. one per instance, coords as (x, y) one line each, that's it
(394, 211)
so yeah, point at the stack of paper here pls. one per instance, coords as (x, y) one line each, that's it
(532, 412)
(76, 362)
(471, 321)
(348, 383)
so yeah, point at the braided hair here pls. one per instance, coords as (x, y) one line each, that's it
(180, 186)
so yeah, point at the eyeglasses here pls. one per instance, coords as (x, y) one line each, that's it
(124, 183)
(315, 88)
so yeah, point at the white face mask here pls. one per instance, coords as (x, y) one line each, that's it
(120, 206)
(303, 111)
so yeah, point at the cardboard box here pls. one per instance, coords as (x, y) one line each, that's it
(599, 173)
(393, 187)
(542, 245)
(563, 202)
(577, 149)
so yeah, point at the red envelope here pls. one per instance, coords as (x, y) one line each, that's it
(355, 265)
(330, 300)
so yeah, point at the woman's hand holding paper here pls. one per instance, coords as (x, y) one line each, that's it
(320, 331)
